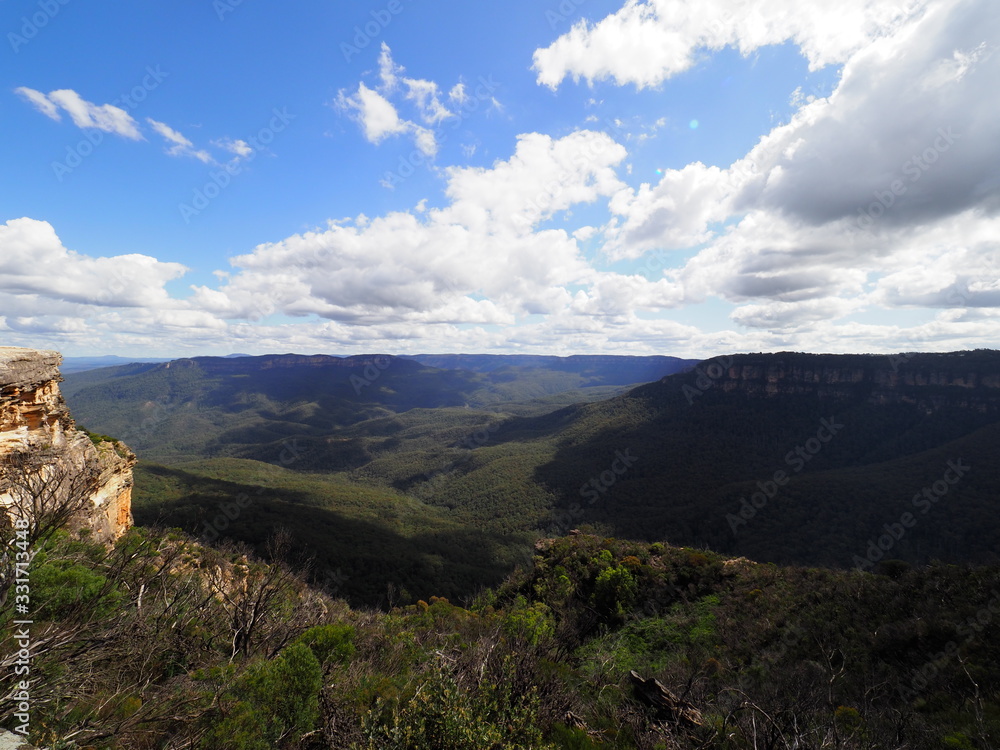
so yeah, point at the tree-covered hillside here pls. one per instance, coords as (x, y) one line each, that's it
(792, 458)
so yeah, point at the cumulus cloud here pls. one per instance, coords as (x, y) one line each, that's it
(481, 259)
(881, 198)
(375, 114)
(36, 266)
(84, 114)
(882, 195)
(674, 213)
(645, 43)
(884, 138)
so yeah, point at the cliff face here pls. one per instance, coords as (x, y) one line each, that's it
(969, 380)
(35, 423)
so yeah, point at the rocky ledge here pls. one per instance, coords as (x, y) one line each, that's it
(35, 424)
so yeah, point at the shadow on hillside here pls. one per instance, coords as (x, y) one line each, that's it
(356, 559)
(695, 471)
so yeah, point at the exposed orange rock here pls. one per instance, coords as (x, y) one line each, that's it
(34, 419)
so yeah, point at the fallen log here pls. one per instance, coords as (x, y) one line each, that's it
(666, 705)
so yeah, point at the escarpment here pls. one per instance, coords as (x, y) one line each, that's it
(967, 380)
(40, 442)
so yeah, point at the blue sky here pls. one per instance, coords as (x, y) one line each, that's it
(676, 177)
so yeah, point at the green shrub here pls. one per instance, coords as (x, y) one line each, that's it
(62, 586)
(615, 590)
(958, 741)
(442, 715)
(330, 643)
(271, 701)
(569, 738)
(533, 624)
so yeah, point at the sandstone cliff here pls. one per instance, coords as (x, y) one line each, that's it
(966, 380)
(35, 423)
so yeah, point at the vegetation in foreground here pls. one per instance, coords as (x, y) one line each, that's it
(160, 641)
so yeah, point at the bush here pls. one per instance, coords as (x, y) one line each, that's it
(615, 590)
(272, 701)
(441, 715)
(63, 586)
(330, 643)
(533, 624)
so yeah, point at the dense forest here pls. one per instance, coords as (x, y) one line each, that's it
(789, 458)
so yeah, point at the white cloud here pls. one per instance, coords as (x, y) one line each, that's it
(180, 146)
(378, 115)
(881, 127)
(794, 242)
(40, 101)
(882, 195)
(426, 95)
(675, 213)
(48, 278)
(239, 148)
(786, 316)
(106, 117)
(481, 259)
(388, 70)
(645, 43)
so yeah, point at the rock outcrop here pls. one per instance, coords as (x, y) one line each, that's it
(36, 428)
(966, 380)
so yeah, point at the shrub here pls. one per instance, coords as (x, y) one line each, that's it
(330, 642)
(615, 590)
(534, 624)
(271, 701)
(62, 586)
(442, 715)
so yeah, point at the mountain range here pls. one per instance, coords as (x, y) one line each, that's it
(792, 458)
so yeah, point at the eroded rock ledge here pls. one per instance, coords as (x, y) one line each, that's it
(35, 420)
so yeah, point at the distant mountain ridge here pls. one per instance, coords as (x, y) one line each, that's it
(969, 379)
(219, 403)
(82, 364)
(612, 369)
